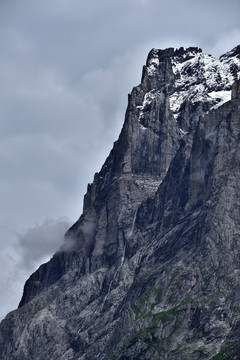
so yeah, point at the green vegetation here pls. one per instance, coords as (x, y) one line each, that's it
(171, 299)
(149, 324)
(158, 295)
(150, 335)
(136, 310)
(145, 297)
(146, 302)
(227, 353)
(165, 316)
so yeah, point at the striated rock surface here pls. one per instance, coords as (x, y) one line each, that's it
(151, 270)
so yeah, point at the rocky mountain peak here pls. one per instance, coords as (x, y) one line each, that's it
(233, 54)
(151, 268)
(195, 82)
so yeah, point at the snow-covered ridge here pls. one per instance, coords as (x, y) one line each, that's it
(197, 77)
(153, 64)
(202, 78)
(148, 98)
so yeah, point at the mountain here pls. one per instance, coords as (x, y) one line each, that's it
(151, 270)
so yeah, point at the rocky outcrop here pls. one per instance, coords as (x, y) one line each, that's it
(133, 171)
(151, 268)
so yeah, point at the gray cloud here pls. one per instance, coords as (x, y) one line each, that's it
(21, 257)
(40, 241)
(66, 68)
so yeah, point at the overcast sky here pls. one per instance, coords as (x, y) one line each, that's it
(66, 67)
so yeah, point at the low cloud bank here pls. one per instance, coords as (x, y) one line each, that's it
(21, 258)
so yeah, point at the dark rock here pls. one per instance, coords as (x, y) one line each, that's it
(151, 270)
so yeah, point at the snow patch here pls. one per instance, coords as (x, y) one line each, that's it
(182, 132)
(202, 77)
(153, 63)
(142, 127)
(220, 97)
(148, 98)
(199, 77)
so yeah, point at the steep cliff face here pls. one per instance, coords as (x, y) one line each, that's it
(152, 267)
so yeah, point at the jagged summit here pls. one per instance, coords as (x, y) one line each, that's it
(151, 269)
(199, 80)
(158, 55)
(232, 54)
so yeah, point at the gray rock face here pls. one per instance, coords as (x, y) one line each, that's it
(151, 270)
